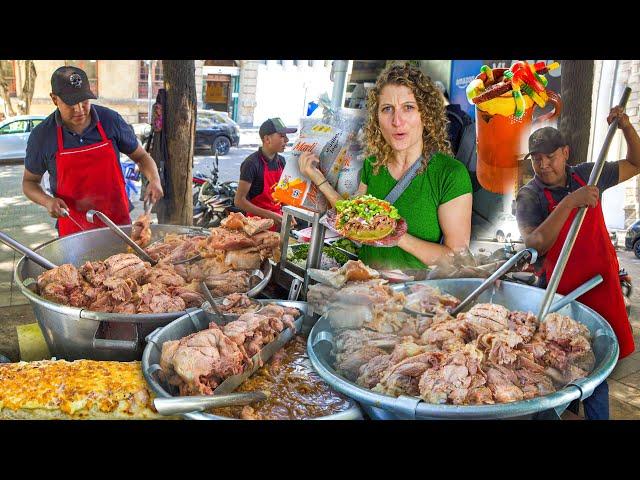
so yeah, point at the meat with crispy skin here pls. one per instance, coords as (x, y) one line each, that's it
(201, 361)
(141, 230)
(126, 265)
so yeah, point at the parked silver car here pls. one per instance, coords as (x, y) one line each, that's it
(14, 133)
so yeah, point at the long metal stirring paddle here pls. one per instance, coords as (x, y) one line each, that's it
(27, 252)
(563, 258)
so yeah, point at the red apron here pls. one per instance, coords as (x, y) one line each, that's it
(89, 178)
(592, 254)
(264, 198)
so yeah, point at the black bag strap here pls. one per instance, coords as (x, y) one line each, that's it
(404, 181)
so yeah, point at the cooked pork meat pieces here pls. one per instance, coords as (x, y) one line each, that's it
(565, 331)
(404, 376)
(500, 346)
(155, 298)
(65, 275)
(348, 365)
(123, 283)
(238, 303)
(371, 372)
(199, 362)
(372, 292)
(250, 225)
(141, 230)
(484, 356)
(126, 265)
(224, 239)
(486, 317)
(227, 283)
(164, 274)
(245, 259)
(426, 299)
(455, 378)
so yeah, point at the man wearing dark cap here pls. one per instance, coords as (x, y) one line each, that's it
(260, 172)
(79, 144)
(545, 209)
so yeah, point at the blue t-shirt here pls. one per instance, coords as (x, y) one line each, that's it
(43, 141)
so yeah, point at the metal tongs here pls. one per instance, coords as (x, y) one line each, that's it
(91, 214)
(148, 205)
(529, 255)
(178, 405)
(66, 214)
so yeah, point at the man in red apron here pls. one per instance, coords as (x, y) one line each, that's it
(79, 145)
(545, 209)
(260, 172)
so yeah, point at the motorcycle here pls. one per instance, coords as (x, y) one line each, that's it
(212, 201)
(627, 288)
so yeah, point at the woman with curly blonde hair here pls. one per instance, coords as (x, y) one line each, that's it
(407, 124)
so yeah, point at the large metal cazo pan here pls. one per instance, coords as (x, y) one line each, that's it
(196, 320)
(514, 297)
(71, 332)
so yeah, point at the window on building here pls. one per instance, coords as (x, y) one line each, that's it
(220, 63)
(9, 73)
(143, 78)
(91, 69)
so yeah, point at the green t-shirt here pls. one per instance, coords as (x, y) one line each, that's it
(444, 179)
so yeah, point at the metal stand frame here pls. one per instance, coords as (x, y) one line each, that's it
(316, 243)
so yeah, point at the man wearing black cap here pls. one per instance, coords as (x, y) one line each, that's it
(79, 144)
(545, 209)
(260, 172)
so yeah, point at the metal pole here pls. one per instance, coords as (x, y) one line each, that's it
(339, 77)
(577, 221)
(149, 88)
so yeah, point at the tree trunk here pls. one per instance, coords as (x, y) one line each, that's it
(575, 119)
(180, 123)
(28, 87)
(4, 89)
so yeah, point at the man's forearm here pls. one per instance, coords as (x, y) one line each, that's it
(34, 192)
(148, 168)
(633, 145)
(546, 234)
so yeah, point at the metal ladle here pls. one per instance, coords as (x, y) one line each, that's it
(91, 214)
(26, 251)
(178, 405)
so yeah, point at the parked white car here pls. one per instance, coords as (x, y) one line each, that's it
(14, 133)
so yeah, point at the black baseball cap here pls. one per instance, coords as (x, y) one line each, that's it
(71, 85)
(545, 140)
(274, 125)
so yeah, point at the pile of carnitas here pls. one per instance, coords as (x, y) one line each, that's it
(123, 283)
(486, 355)
(199, 362)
